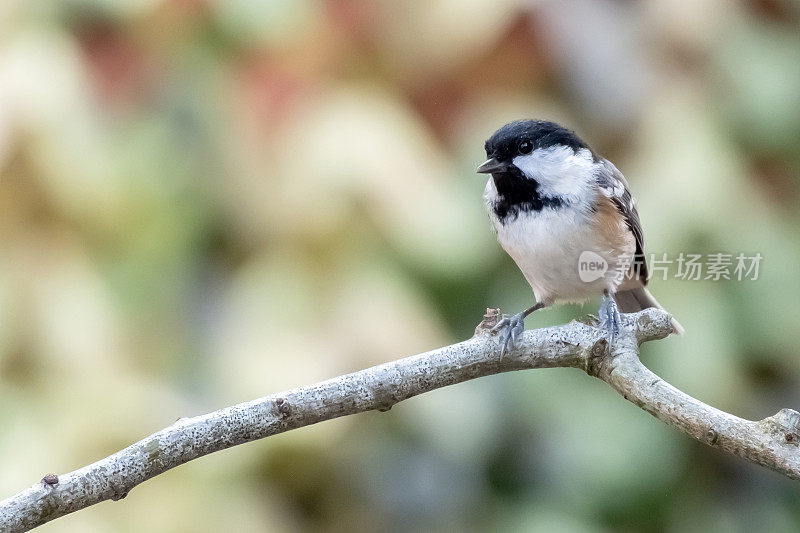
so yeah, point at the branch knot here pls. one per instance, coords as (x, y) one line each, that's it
(490, 320)
(50, 481)
(283, 407)
(597, 358)
(785, 423)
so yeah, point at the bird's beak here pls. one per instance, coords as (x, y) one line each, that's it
(491, 166)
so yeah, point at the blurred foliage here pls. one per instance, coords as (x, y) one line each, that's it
(204, 202)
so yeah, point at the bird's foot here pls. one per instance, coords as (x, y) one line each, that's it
(510, 328)
(609, 317)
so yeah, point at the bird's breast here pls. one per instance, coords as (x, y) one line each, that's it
(548, 246)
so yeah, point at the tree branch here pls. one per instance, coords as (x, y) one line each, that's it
(772, 442)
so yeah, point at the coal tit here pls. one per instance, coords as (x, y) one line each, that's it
(565, 215)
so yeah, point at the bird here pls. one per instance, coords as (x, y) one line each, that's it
(567, 218)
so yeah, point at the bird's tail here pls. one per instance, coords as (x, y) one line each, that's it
(640, 298)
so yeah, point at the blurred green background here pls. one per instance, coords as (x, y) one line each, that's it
(203, 202)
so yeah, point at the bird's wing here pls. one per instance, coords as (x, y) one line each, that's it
(614, 186)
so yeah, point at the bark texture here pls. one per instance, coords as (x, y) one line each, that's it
(771, 442)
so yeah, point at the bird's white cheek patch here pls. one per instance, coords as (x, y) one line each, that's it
(559, 170)
(490, 191)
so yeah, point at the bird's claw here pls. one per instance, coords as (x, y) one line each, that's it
(609, 318)
(510, 328)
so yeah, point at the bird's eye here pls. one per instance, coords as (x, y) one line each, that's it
(525, 147)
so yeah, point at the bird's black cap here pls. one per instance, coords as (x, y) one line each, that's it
(504, 144)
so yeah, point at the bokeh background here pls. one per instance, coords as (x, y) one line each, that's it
(203, 202)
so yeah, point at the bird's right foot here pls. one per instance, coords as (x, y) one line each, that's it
(509, 328)
(609, 317)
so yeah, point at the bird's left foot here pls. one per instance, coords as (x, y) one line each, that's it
(509, 328)
(609, 317)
